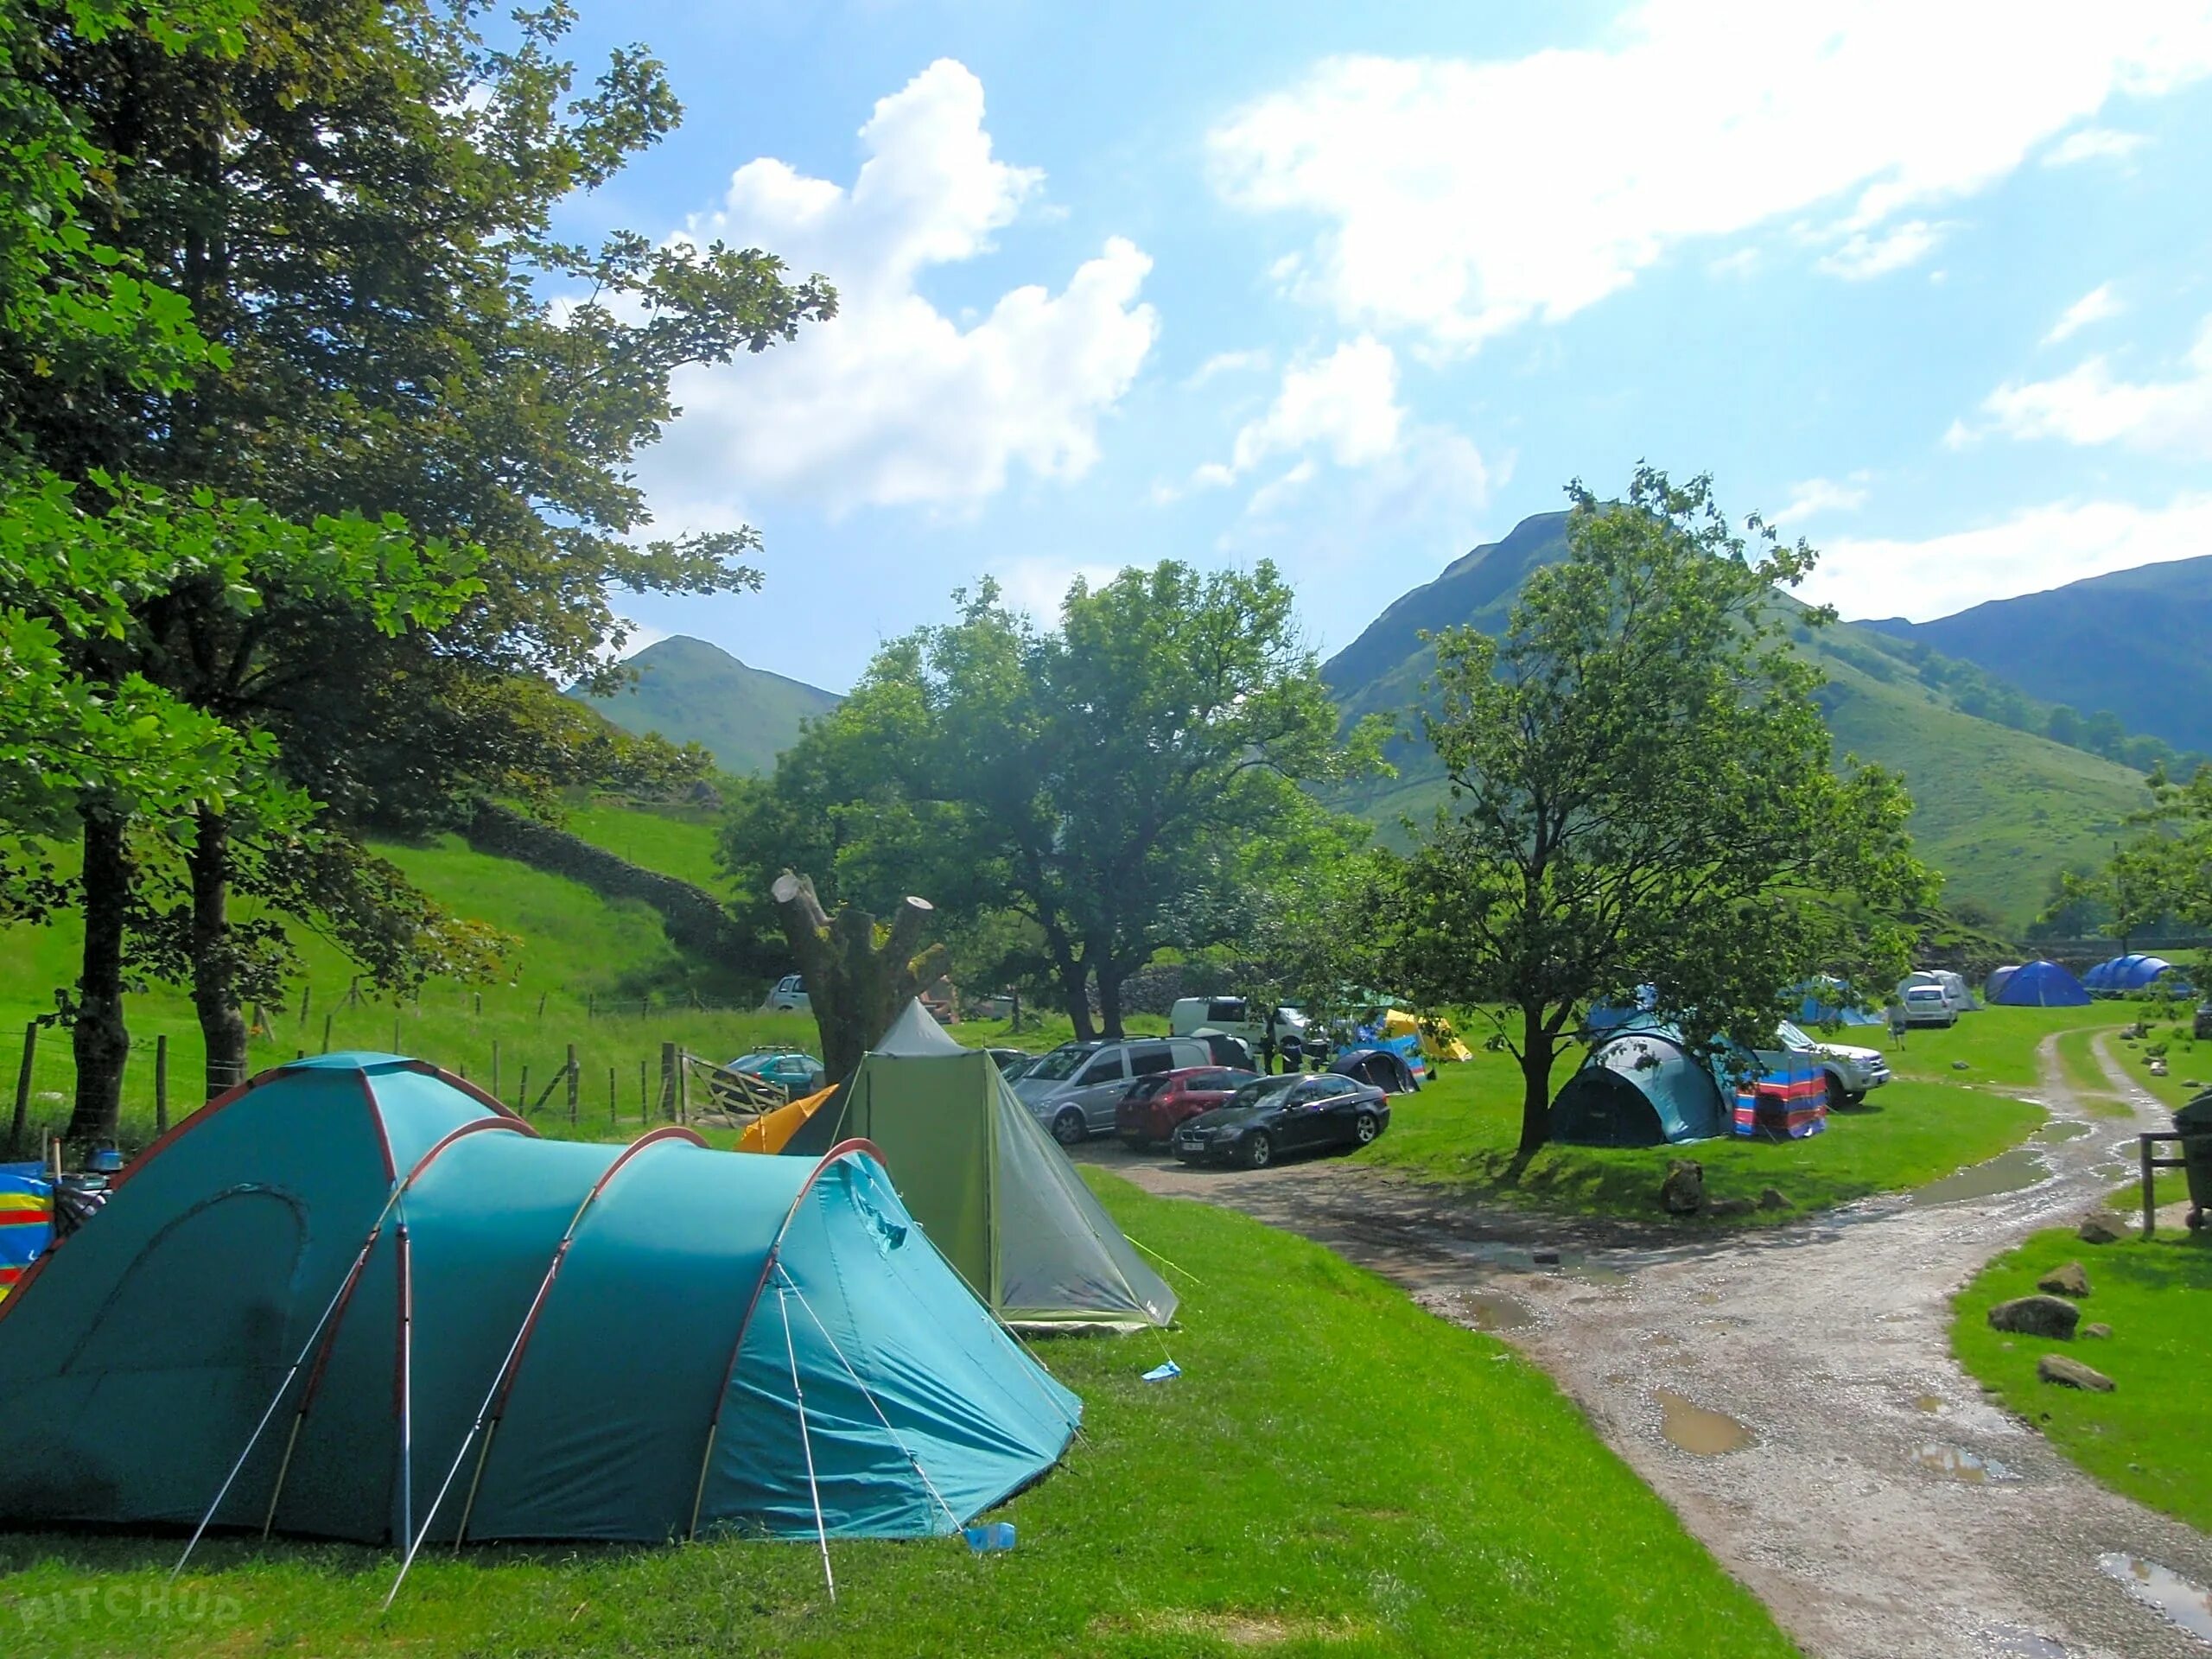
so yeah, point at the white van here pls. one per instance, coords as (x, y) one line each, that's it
(1238, 1016)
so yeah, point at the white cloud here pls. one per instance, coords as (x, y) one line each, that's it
(1812, 496)
(638, 637)
(894, 402)
(2089, 406)
(2040, 547)
(1039, 586)
(2093, 144)
(1862, 255)
(1347, 402)
(2095, 306)
(1220, 363)
(1461, 199)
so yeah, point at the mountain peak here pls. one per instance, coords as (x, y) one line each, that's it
(689, 690)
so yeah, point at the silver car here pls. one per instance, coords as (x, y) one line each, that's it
(1073, 1090)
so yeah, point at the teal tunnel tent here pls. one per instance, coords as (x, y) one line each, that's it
(425, 1322)
(1641, 1086)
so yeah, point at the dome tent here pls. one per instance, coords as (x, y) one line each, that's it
(583, 1341)
(1640, 1086)
(1992, 989)
(2135, 972)
(2039, 984)
(992, 1189)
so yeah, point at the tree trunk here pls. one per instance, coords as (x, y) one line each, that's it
(214, 965)
(1109, 1000)
(1538, 1047)
(856, 988)
(1075, 986)
(100, 1039)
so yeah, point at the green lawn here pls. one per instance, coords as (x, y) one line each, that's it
(1997, 1045)
(1463, 1127)
(1336, 1472)
(677, 841)
(2141, 1439)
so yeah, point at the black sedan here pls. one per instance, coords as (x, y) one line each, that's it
(1266, 1120)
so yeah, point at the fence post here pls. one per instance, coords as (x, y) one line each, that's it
(303, 1007)
(495, 1069)
(573, 1076)
(2149, 1187)
(668, 1064)
(395, 1031)
(19, 1130)
(522, 1092)
(644, 1100)
(161, 1083)
(613, 1115)
(326, 1032)
(480, 1005)
(683, 1087)
(541, 995)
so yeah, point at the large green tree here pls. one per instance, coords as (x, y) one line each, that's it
(353, 201)
(1642, 794)
(1119, 784)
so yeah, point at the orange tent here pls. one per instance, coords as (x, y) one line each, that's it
(768, 1132)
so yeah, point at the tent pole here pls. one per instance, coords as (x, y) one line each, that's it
(475, 1480)
(291, 1440)
(806, 1442)
(406, 1384)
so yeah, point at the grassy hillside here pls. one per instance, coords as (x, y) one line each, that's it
(691, 691)
(677, 841)
(1997, 810)
(2134, 642)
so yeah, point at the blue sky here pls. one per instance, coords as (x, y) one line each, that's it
(1928, 282)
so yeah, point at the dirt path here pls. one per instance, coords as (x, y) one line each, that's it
(1828, 1343)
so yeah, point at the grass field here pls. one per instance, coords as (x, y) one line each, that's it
(1336, 1472)
(1463, 1127)
(2142, 1439)
(676, 841)
(1997, 1045)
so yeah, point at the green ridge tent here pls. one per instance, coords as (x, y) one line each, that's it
(993, 1191)
(443, 1325)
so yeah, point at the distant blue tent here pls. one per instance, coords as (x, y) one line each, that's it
(2039, 985)
(1993, 987)
(2121, 975)
(1640, 1086)
(1825, 1002)
(1606, 1016)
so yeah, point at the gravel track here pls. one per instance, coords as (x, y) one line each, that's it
(1827, 1341)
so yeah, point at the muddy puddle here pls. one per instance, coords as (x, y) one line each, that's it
(2053, 1133)
(1488, 1313)
(1956, 1463)
(1520, 1258)
(1695, 1428)
(1929, 1403)
(2186, 1603)
(2021, 1167)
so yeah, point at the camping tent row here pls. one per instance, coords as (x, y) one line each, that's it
(2121, 975)
(2038, 984)
(356, 1298)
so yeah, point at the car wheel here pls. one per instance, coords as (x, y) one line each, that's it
(1364, 1128)
(1259, 1149)
(1069, 1129)
(1859, 1099)
(1838, 1095)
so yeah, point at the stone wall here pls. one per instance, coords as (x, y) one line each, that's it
(695, 920)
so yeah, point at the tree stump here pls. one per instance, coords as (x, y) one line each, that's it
(855, 984)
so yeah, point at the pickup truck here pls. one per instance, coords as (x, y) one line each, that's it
(1851, 1071)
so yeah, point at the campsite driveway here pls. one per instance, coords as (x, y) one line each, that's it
(1841, 1500)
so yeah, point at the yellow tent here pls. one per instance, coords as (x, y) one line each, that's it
(768, 1132)
(1398, 1023)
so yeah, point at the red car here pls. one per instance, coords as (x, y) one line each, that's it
(1148, 1114)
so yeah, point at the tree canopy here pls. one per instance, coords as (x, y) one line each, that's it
(1118, 783)
(1642, 794)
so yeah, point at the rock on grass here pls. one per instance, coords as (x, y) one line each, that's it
(2036, 1316)
(2098, 1228)
(2068, 1281)
(2072, 1373)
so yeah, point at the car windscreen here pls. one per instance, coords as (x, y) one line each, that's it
(1793, 1037)
(1263, 1091)
(1058, 1065)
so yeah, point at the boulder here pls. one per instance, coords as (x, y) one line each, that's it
(2100, 1227)
(1682, 1193)
(1958, 1065)
(1773, 1198)
(1729, 1207)
(2068, 1281)
(2036, 1316)
(2100, 1331)
(2072, 1373)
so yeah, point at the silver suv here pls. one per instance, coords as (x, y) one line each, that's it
(1072, 1091)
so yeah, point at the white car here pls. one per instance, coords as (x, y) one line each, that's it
(1235, 1015)
(1930, 1005)
(1850, 1072)
(788, 995)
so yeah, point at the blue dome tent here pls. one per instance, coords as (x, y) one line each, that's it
(1993, 987)
(2038, 984)
(1825, 1001)
(356, 1298)
(2119, 976)
(1640, 1086)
